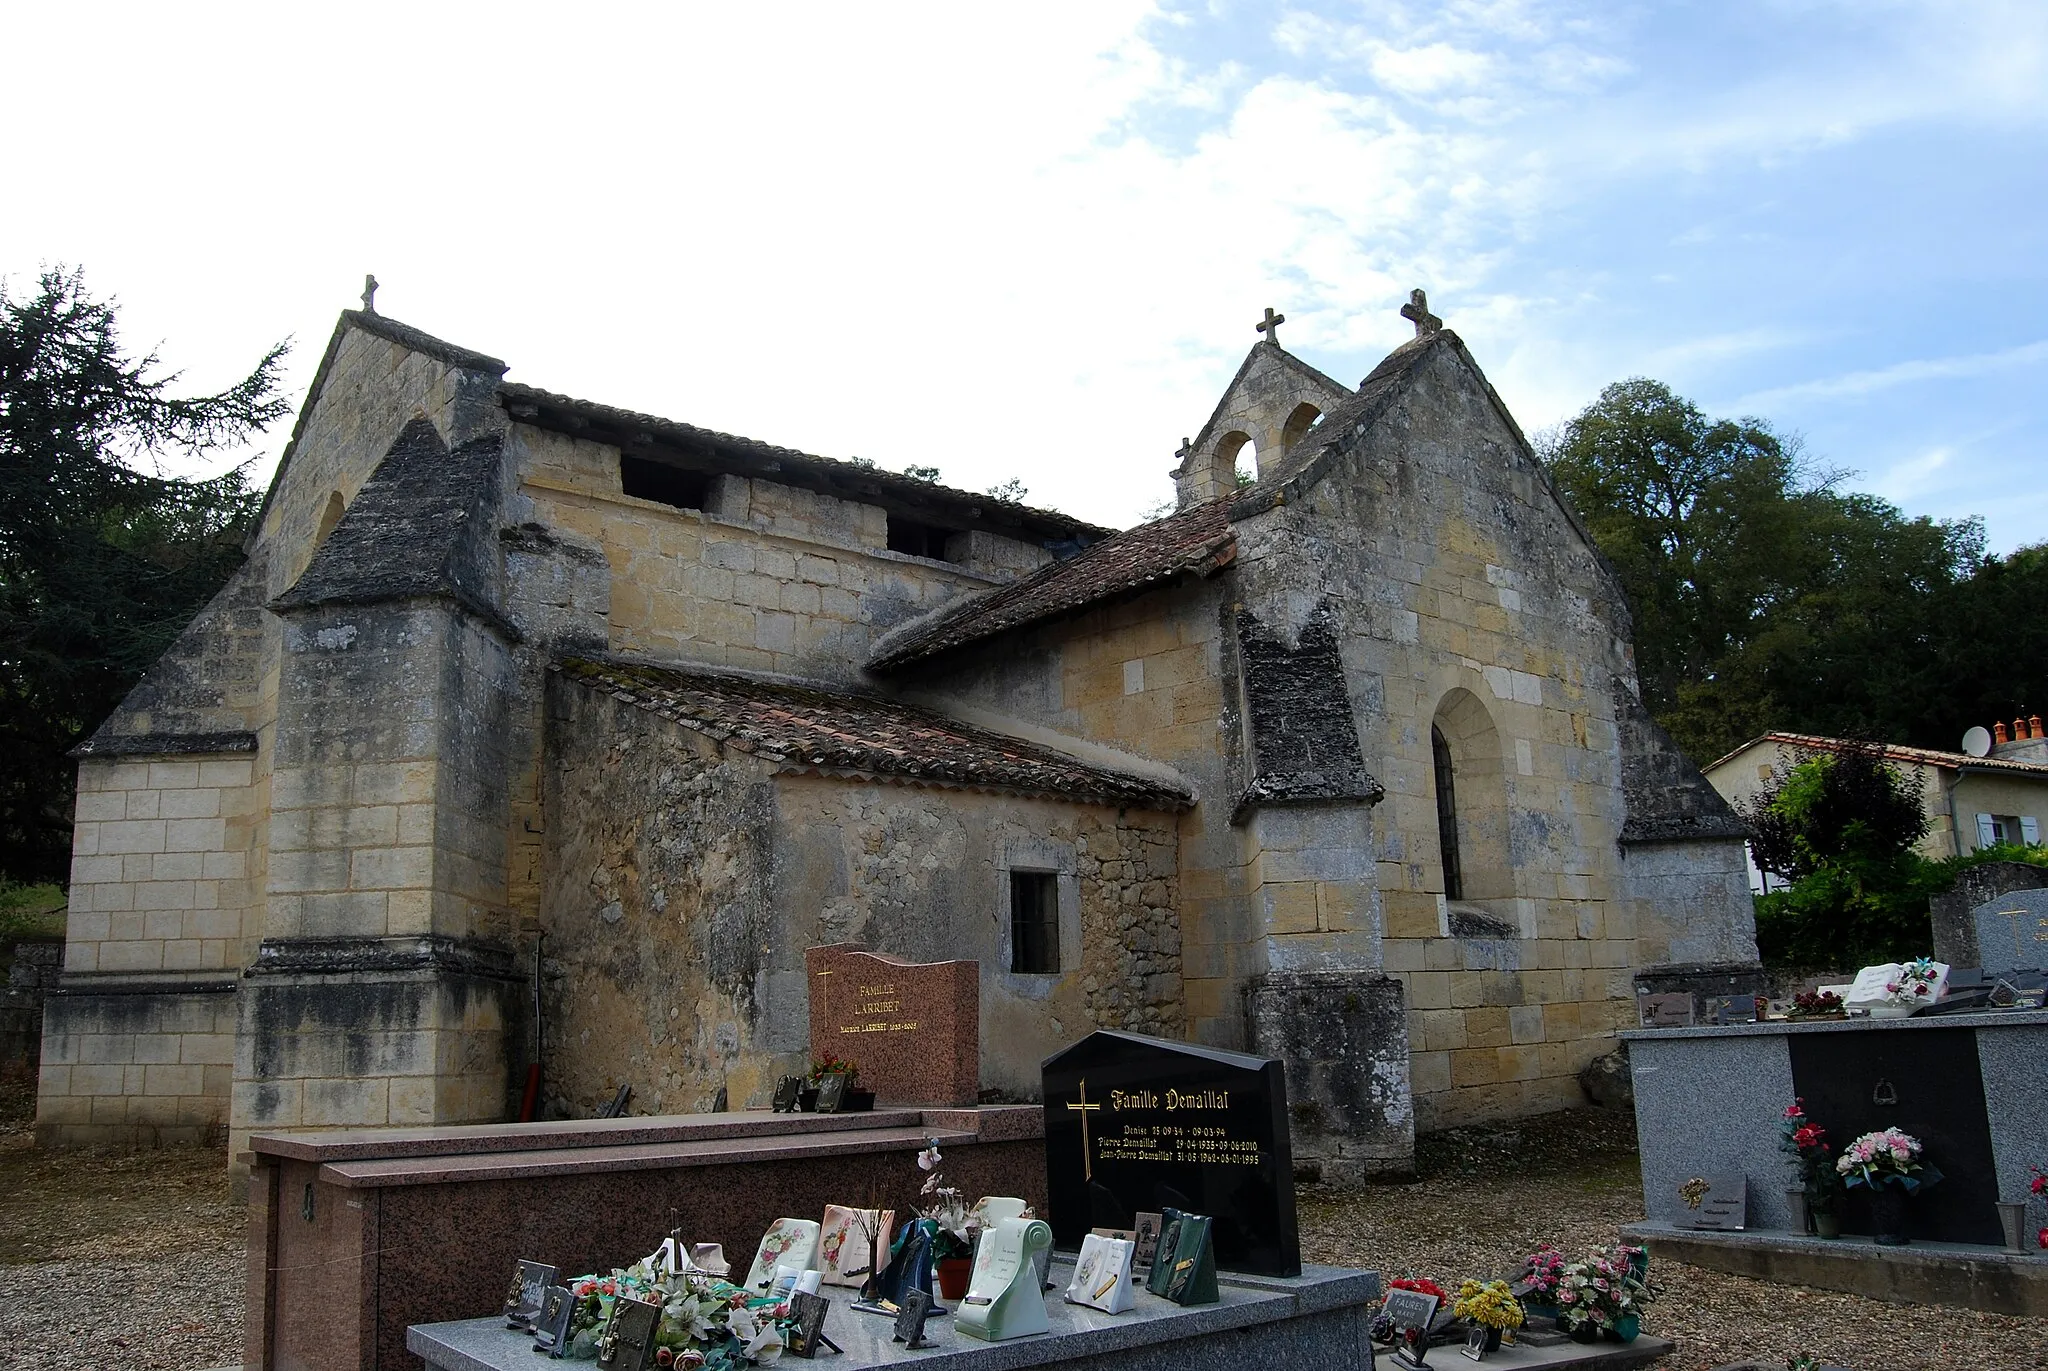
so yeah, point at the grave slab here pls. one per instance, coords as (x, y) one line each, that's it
(1319, 1318)
(913, 1028)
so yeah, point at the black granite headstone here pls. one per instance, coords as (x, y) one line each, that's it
(1135, 1125)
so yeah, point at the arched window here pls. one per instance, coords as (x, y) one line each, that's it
(1471, 800)
(1446, 814)
(1299, 422)
(329, 517)
(1237, 454)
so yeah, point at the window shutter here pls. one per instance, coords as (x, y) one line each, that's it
(2030, 829)
(1987, 830)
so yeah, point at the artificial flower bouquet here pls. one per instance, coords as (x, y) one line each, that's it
(1817, 1004)
(1886, 1157)
(944, 1208)
(706, 1321)
(1602, 1290)
(1541, 1271)
(1808, 1143)
(829, 1065)
(1916, 984)
(1490, 1304)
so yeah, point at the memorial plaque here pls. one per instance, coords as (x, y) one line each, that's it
(910, 1319)
(913, 1028)
(1136, 1125)
(807, 1312)
(1665, 1011)
(551, 1325)
(2012, 931)
(529, 1289)
(1718, 1201)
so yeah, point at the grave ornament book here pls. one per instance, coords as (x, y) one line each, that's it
(1004, 1296)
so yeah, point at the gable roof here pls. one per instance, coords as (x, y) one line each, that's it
(843, 734)
(403, 535)
(1895, 752)
(1194, 542)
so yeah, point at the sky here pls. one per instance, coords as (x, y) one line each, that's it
(1032, 241)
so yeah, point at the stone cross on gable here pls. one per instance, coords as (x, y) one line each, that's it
(1417, 310)
(369, 295)
(1271, 326)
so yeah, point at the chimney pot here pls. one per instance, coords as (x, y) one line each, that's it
(1998, 733)
(2019, 729)
(2034, 726)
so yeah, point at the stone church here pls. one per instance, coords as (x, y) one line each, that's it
(533, 725)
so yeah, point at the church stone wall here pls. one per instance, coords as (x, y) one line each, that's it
(768, 578)
(683, 885)
(1466, 597)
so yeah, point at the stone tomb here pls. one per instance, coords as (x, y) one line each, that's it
(913, 1028)
(1136, 1125)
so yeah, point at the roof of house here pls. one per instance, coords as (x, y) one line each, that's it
(1196, 541)
(691, 446)
(1924, 756)
(837, 733)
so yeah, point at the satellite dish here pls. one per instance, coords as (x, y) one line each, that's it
(1977, 742)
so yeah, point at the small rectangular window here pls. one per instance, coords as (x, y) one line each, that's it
(918, 540)
(646, 480)
(1034, 923)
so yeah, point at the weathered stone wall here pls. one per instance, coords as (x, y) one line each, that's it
(766, 578)
(655, 907)
(1465, 597)
(683, 886)
(128, 1067)
(1273, 400)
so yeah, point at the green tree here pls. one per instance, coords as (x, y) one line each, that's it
(103, 559)
(1843, 826)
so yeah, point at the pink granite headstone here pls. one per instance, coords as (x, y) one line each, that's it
(913, 1028)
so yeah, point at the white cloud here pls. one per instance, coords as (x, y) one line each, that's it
(1917, 371)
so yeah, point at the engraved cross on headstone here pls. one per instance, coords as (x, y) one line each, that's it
(369, 294)
(1417, 311)
(1271, 326)
(1087, 1158)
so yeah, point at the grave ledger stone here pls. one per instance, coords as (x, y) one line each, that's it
(913, 1028)
(1135, 1125)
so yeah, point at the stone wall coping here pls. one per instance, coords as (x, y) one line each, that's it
(471, 1167)
(987, 1123)
(1079, 1335)
(2000, 1018)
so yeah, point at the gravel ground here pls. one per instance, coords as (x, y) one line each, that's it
(134, 1260)
(122, 1261)
(1488, 1196)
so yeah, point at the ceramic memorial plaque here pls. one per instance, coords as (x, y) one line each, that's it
(1411, 1312)
(1102, 1274)
(1191, 1266)
(788, 1242)
(914, 1027)
(852, 1242)
(831, 1092)
(786, 1091)
(1004, 1296)
(551, 1327)
(1134, 1125)
(530, 1282)
(627, 1343)
(1718, 1202)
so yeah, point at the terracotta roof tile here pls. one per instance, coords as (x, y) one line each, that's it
(1195, 541)
(833, 733)
(1925, 756)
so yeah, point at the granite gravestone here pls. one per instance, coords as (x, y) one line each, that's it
(913, 1028)
(1135, 1125)
(2012, 931)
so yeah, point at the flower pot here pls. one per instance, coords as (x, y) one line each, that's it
(2013, 1219)
(1492, 1339)
(1827, 1223)
(1540, 1309)
(1584, 1332)
(953, 1273)
(807, 1101)
(1628, 1327)
(1890, 1221)
(1795, 1201)
(857, 1102)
